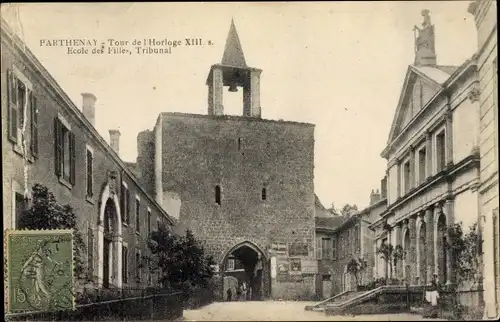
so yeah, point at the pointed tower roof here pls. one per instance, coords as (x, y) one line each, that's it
(233, 53)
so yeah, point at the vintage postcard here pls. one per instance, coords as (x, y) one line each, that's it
(250, 160)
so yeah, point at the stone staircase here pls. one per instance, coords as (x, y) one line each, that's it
(382, 299)
(335, 300)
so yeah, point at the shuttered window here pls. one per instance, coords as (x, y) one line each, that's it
(12, 111)
(319, 251)
(123, 202)
(327, 248)
(137, 215)
(65, 152)
(124, 264)
(34, 126)
(90, 173)
(334, 248)
(127, 210)
(149, 221)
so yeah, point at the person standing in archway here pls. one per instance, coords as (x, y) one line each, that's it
(229, 294)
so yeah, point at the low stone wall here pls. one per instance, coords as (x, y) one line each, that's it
(152, 307)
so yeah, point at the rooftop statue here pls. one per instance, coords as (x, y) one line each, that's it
(425, 36)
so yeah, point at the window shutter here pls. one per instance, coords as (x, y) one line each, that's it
(57, 147)
(90, 174)
(334, 248)
(122, 203)
(34, 126)
(319, 251)
(127, 199)
(72, 155)
(12, 116)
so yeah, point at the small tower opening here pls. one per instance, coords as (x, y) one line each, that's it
(264, 193)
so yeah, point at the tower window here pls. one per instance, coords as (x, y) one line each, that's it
(264, 193)
(239, 144)
(217, 195)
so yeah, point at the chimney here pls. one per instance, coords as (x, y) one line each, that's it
(425, 49)
(374, 197)
(114, 140)
(88, 107)
(383, 188)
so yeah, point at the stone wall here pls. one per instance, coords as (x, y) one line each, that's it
(242, 156)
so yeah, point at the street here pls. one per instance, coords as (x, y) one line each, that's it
(279, 311)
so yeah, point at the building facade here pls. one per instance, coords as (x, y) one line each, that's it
(485, 14)
(432, 162)
(46, 139)
(354, 240)
(245, 184)
(326, 223)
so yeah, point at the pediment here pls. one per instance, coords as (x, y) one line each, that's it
(418, 90)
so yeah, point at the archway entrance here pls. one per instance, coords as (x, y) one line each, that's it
(442, 247)
(110, 228)
(407, 258)
(245, 273)
(422, 260)
(109, 240)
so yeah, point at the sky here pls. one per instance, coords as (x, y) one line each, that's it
(338, 65)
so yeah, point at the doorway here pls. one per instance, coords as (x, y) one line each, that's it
(248, 265)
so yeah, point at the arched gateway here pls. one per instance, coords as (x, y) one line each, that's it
(247, 263)
(109, 237)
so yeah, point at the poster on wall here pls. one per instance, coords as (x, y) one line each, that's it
(298, 249)
(295, 266)
(274, 267)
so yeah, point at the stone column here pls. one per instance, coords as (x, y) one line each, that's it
(428, 151)
(449, 135)
(449, 258)
(429, 221)
(405, 248)
(117, 243)
(100, 254)
(413, 243)
(437, 212)
(255, 93)
(217, 92)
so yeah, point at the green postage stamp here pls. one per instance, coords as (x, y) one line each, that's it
(39, 266)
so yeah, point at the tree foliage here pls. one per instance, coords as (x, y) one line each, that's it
(386, 251)
(356, 267)
(181, 260)
(466, 253)
(46, 213)
(348, 209)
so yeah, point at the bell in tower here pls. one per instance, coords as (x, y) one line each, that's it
(233, 72)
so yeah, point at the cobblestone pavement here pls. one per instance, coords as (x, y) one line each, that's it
(280, 311)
